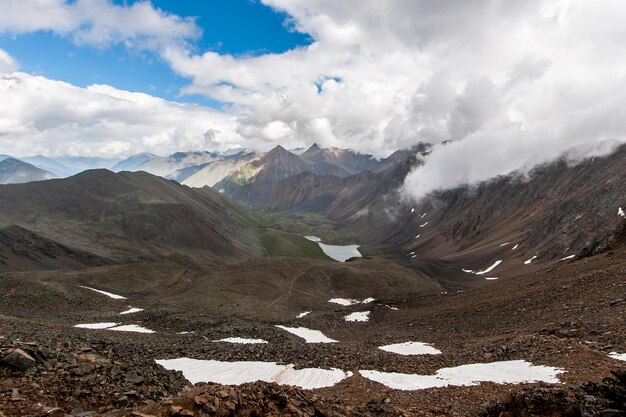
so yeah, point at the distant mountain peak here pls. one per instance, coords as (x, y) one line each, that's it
(14, 171)
(313, 148)
(278, 148)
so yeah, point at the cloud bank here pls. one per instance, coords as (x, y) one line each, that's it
(511, 84)
(99, 22)
(53, 118)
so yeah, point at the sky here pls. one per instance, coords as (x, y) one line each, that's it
(505, 85)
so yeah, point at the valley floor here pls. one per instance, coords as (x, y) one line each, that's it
(570, 315)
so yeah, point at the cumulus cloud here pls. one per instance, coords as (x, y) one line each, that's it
(7, 62)
(42, 116)
(511, 84)
(99, 22)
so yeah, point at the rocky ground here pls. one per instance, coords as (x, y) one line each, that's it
(568, 314)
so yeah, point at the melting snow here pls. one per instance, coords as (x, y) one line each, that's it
(491, 268)
(505, 372)
(618, 356)
(620, 212)
(242, 341)
(358, 316)
(304, 313)
(344, 301)
(350, 301)
(131, 328)
(530, 260)
(309, 336)
(132, 310)
(236, 373)
(108, 294)
(411, 348)
(97, 326)
(422, 225)
(568, 257)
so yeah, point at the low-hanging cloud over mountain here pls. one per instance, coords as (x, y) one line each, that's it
(42, 116)
(511, 84)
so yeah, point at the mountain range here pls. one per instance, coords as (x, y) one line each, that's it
(512, 271)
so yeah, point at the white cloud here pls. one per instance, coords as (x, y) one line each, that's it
(99, 22)
(514, 84)
(7, 62)
(42, 116)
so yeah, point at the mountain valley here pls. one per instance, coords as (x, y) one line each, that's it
(106, 275)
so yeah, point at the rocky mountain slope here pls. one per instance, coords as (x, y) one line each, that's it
(283, 180)
(13, 171)
(561, 210)
(131, 216)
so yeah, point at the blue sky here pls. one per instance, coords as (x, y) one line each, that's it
(237, 27)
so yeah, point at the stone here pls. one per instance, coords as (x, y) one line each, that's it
(18, 359)
(56, 412)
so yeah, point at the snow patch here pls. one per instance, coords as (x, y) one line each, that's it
(618, 356)
(236, 373)
(313, 238)
(620, 212)
(417, 236)
(132, 310)
(108, 294)
(424, 215)
(422, 225)
(568, 257)
(491, 268)
(505, 243)
(528, 261)
(304, 313)
(131, 328)
(491, 278)
(96, 326)
(515, 247)
(361, 316)
(242, 341)
(309, 336)
(412, 210)
(346, 302)
(392, 308)
(505, 372)
(411, 348)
